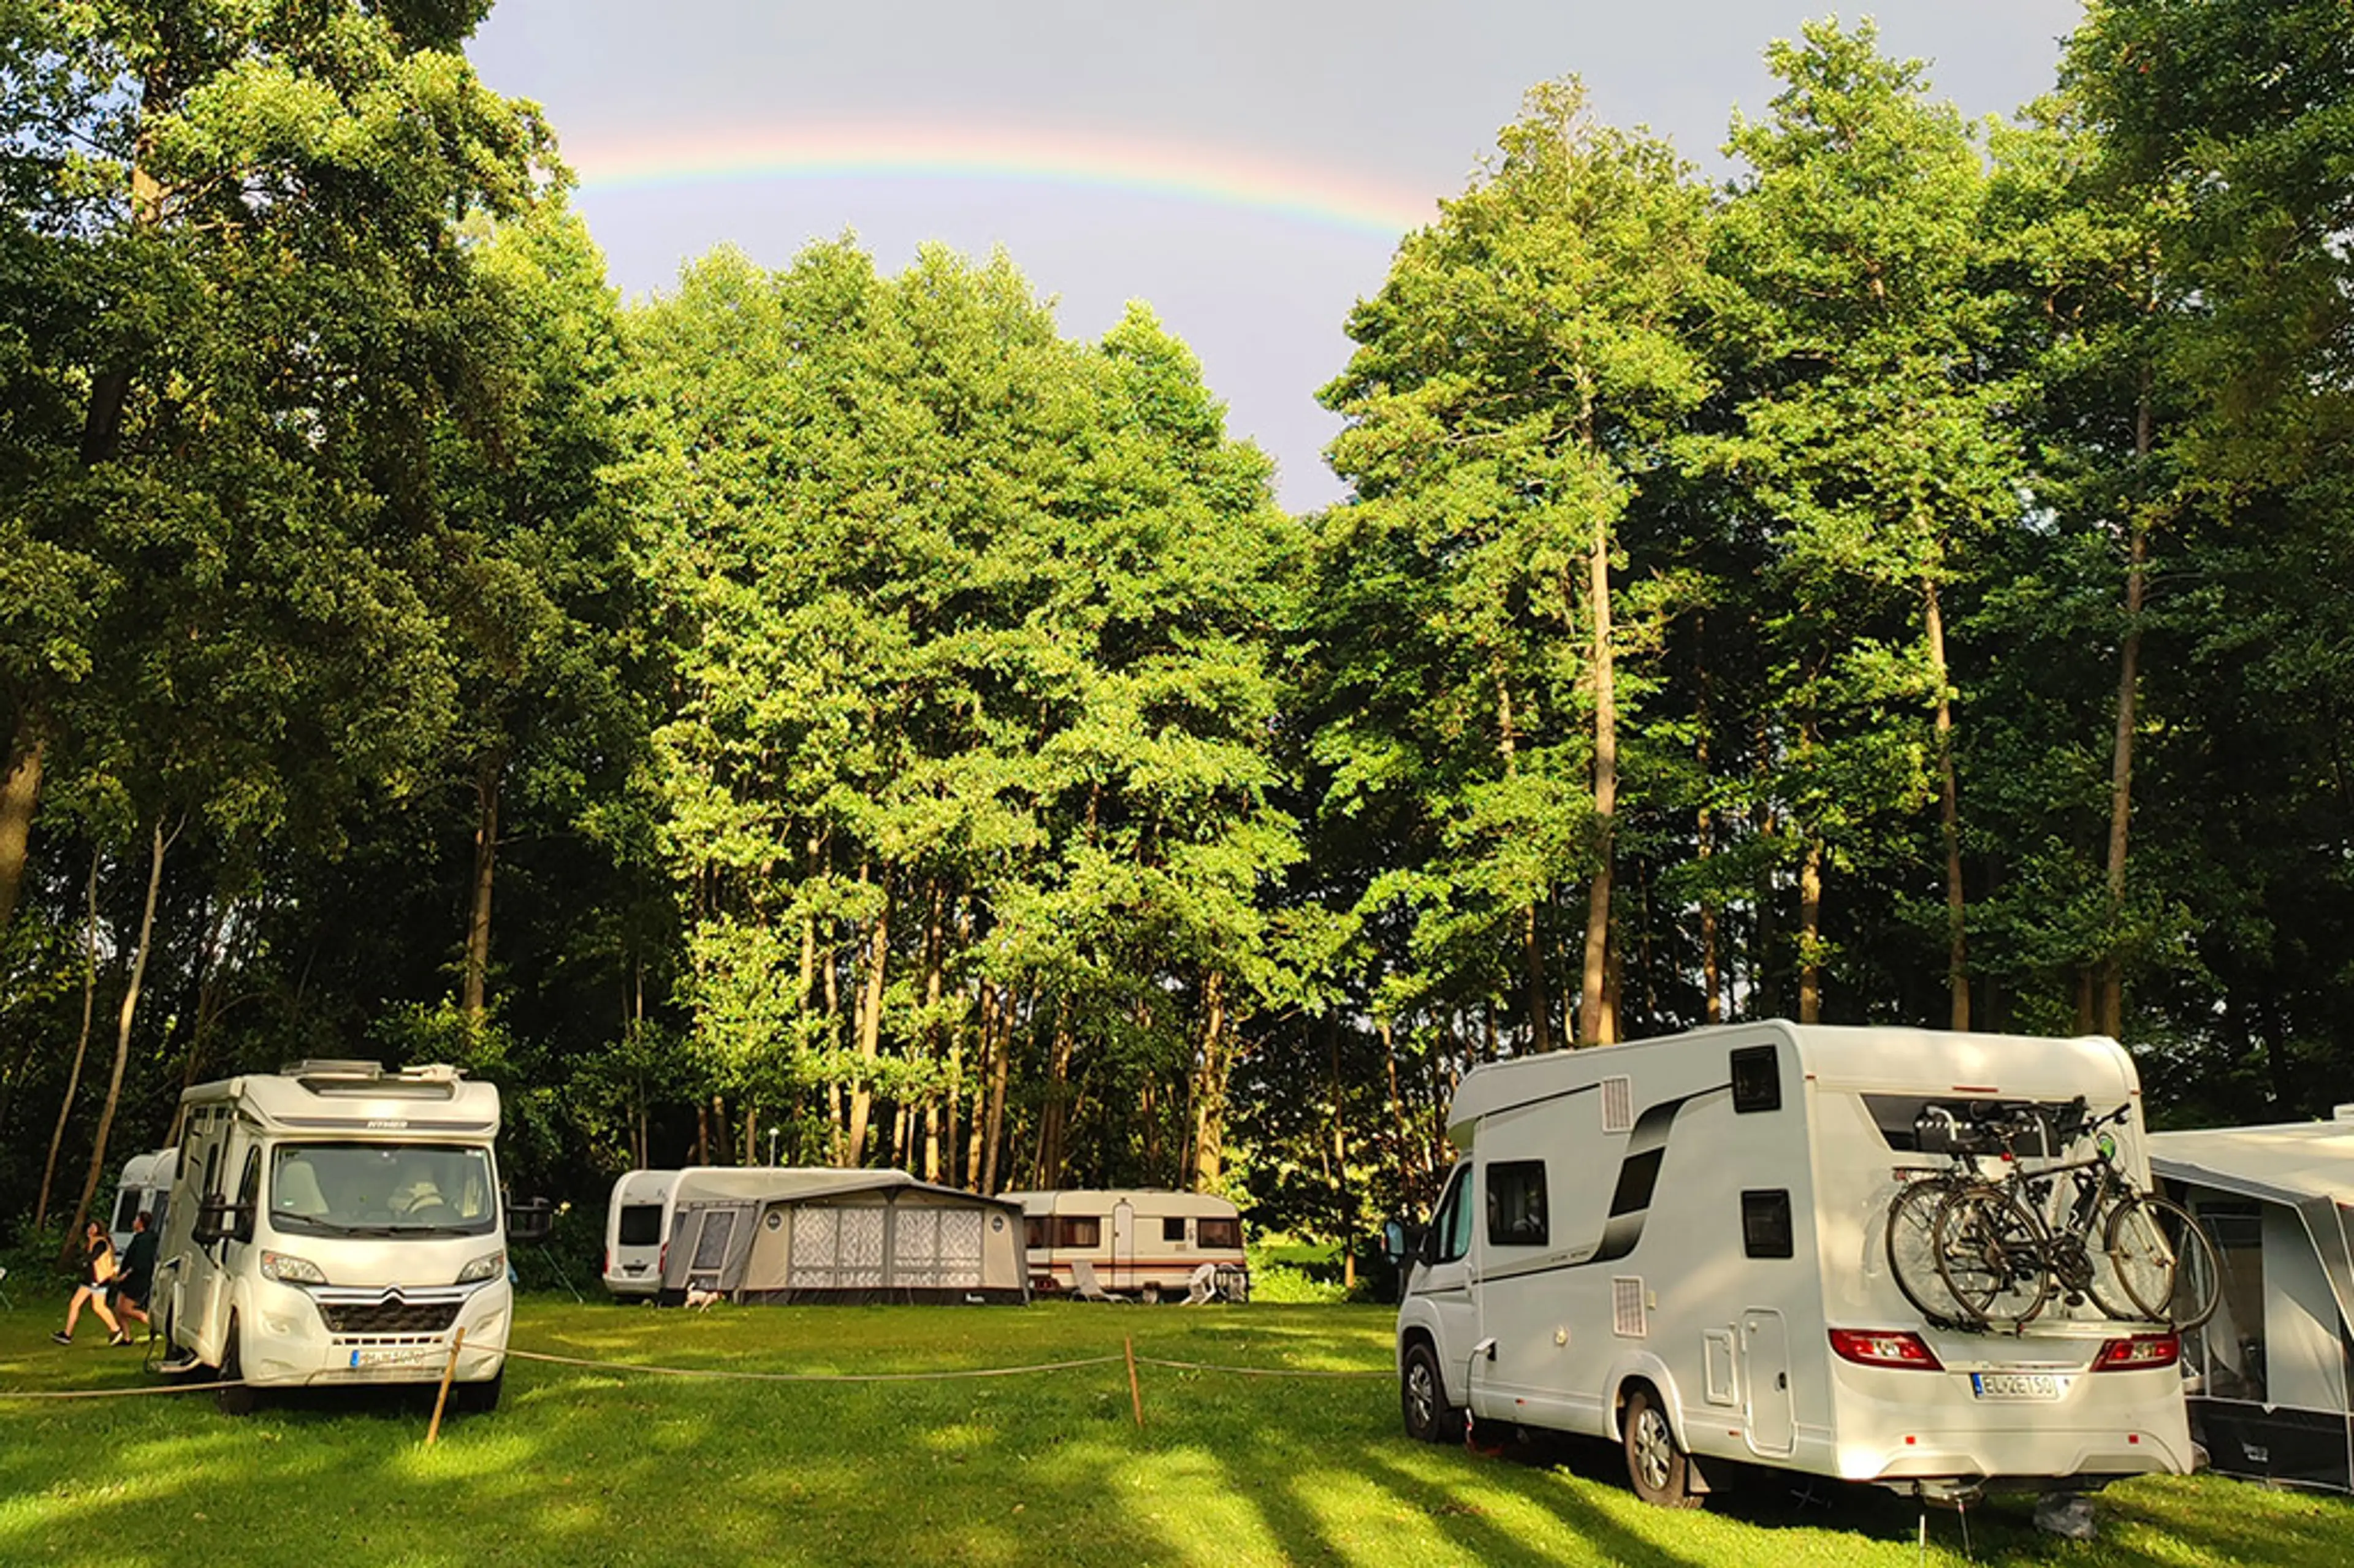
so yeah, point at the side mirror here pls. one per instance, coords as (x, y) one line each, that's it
(1394, 1241)
(216, 1220)
(530, 1220)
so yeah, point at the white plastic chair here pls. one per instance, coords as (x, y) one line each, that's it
(1086, 1286)
(4, 1294)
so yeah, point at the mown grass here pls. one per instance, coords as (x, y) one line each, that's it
(595, 1466)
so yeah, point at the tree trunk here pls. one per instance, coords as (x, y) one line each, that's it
(1596, 1025)
(1539, 1000)
(1957, 969)
(81, 1045)
(1001, 1051)
(1210, 1095)
(21, 795)
(2110, 991)
(1054, 1116)
(472, 1002)
(1810, 930)
(122, 1038)
(870, 1030)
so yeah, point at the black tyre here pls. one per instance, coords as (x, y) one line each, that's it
(1911, 1241)
(1989, 1253)
(478, 1398)
(2165, 1261)
(1149, 1293)
(1422, 1398)
(238, 1398)
(1656, 1466)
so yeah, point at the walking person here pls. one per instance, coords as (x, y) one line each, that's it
(97, 1272)
(138, 1275)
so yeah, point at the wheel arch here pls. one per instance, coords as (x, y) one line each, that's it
(1645, 1370)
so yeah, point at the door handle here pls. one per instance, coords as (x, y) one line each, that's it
(1782, 1380)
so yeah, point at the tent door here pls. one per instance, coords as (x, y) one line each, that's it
(1123, 1244)
(711, 1240)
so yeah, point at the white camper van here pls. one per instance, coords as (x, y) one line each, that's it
(338, 1224)
(1136, 1240)
(1682, 1244)
(637, 1233)
(144, 1188)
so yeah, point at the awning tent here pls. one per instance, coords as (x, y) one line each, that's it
(786, 1235)
(2271, 1375)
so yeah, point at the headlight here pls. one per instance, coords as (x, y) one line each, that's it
(290, 1270)
(490, 1265)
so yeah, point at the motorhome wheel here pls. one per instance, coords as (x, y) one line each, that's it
(1656, 1462)
(1422, 1396)
(478, 1398)
(238, 1398)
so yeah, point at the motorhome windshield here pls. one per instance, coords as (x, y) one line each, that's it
(382, 1189)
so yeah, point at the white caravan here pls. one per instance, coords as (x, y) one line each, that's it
(144, 1188)
(637, 1233)
(1147, 1241)
(338, 1223)
(1680, 1245)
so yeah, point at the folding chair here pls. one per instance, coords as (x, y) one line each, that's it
(1087, 1287)
(4, 1294)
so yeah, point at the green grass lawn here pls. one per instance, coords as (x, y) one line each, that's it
(589, 1465)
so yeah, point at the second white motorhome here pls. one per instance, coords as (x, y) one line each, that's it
(144, 1188)
(338, 1223)
(1682, 1244)
(1137, 1240)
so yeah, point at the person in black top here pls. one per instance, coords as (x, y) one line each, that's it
(130, 1286)
(97, 1272)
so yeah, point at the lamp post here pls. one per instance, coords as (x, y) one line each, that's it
(772, 1146)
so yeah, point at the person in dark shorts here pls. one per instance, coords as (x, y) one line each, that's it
(138, 1273)
(97, 1273)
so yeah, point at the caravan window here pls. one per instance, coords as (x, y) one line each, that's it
(1034, 1232)
(1173, 1229)
(642, 1224)
(1077, 1230)
(126, 1208)
(1214, 1233)
(1516, 1203)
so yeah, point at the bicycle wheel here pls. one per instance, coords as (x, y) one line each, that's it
(1912, 1252)
(2165, 1261)
(1989, 1253)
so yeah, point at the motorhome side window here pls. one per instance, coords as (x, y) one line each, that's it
(1516, 1203)
(1451, 1227)
(1216, 1233)
(1077, 1230)
(249, 1195)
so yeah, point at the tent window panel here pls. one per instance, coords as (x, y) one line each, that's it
(711, 1242)
(1078, 1230)
(1219, 1232)
(2230, 1344)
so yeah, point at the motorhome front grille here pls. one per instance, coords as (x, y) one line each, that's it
(389, 1315)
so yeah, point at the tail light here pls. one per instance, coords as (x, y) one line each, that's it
(1885, 1347)
(609, 1260)
(2140, 1352)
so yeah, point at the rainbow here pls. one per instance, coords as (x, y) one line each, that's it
(1221, 178)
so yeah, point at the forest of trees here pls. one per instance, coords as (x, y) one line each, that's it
(816, 710)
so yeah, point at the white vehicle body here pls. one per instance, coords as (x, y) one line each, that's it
(144, 1188)
(1701, 1220)
(1150, 1243)
(637, 1232)
(364, 1229)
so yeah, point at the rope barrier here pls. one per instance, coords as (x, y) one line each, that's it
(723, 1374)
(116, 1393)
(1262, 1371)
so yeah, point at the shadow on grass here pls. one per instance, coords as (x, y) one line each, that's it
(602, 1465)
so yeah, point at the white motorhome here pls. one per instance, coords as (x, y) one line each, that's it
(637, 1233)
(144, 1188)
(1682, 1244)
(338, 1223)
(1146, 1241)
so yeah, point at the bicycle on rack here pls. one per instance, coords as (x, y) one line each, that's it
(1996, 1258)
(2003, 1248)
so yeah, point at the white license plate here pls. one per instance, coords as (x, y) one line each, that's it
(2017, 1385)
(401, 1358)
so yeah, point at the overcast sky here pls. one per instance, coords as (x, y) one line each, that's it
(1246, 166)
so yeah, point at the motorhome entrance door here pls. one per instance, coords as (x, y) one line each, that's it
(1123, 1244)
(1765, 1363)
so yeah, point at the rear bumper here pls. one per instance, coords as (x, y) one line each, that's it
(1901, 1427)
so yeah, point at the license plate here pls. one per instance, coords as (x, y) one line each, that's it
(403, 1357)
(2017, 1385)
